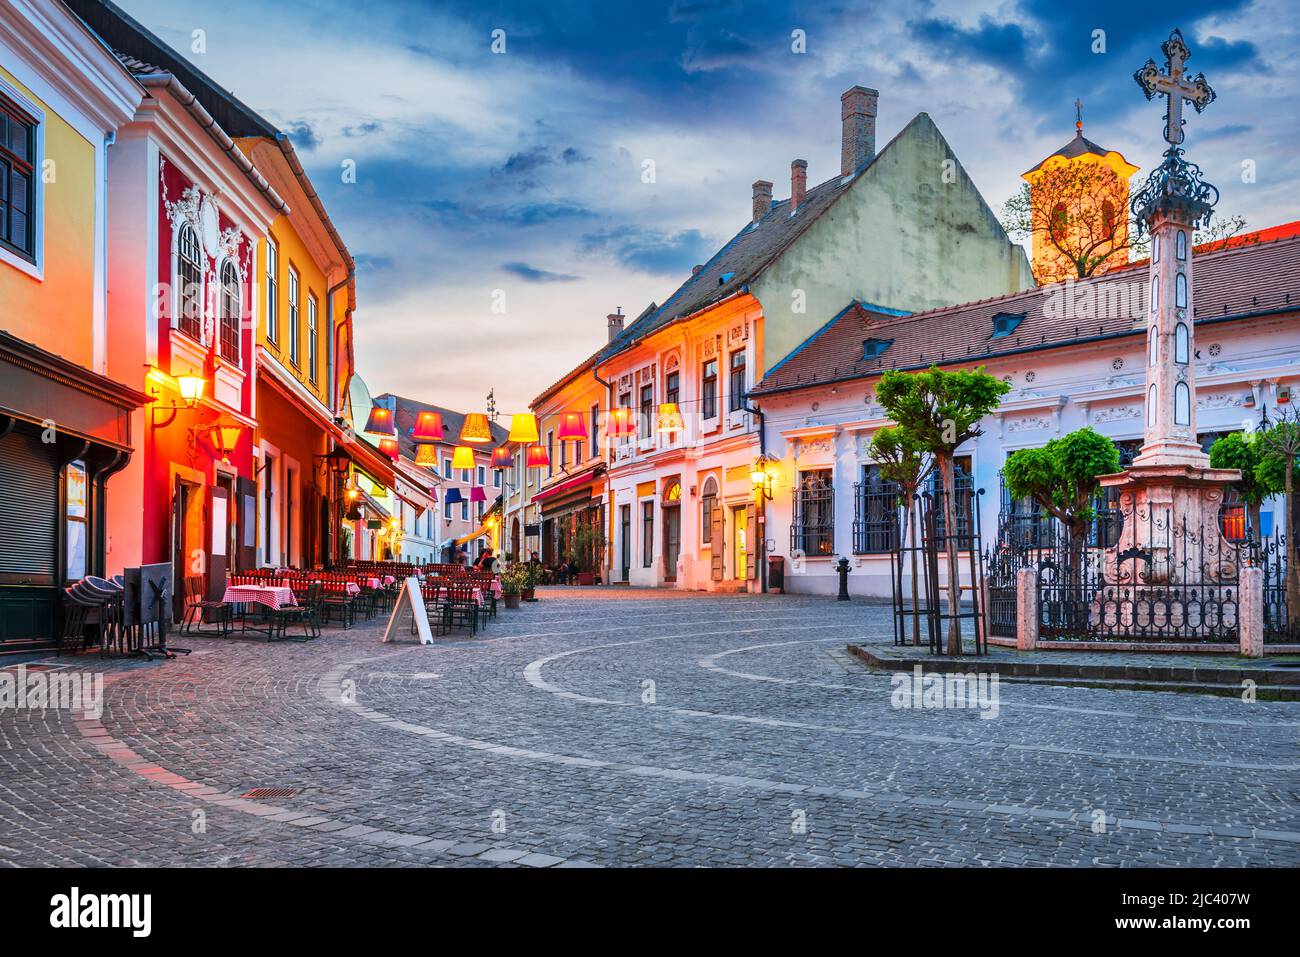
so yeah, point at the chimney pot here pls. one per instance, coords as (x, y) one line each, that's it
(762, 198)
(858, 119)
(798, 183)
(615, 320)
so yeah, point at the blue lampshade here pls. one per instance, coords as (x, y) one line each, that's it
(452, 497)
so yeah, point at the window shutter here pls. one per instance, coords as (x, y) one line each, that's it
(29, 510)
(752, 553)
(719, 549)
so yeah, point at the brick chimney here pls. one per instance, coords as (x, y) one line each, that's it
(858, 116)
(762, 198)
(615, 320)
(798, 183)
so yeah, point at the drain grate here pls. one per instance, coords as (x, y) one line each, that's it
(261, 794)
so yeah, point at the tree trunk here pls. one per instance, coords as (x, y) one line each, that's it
(1292, 557)
(950, 546)
(1252, 513)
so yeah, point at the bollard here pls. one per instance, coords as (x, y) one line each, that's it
(843, 568)
(1027, 609)
(1250, 612)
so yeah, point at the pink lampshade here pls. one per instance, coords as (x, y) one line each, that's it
(572, 426)
(478, 494)
(428, 427)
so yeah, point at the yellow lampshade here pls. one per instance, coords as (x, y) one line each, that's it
(191, 387)
(476, 429)
(758, 476)
(670, 418)
(426, 454)
(462, 458)
(523, 428)
(223, 436)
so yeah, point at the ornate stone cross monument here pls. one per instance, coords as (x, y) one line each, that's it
(1170, 496)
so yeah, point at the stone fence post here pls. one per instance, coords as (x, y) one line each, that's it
(1027, 609)
(1250, 611)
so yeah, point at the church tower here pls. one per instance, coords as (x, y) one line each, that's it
(1079, 201)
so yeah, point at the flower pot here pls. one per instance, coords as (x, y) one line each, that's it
(527, 594)
(586, 578)
(512, 601)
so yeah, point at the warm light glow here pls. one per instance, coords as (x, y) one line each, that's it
(476, 429)
(462, 458)
(537, 457)
(619, 422)
(380, 421)
(501, 458)
(224, 436)
(523, 428)
(426, 454)
(428, 427)
(390, 448)
(758, 477)
(191, 388)
(670, 418)
(572, 426)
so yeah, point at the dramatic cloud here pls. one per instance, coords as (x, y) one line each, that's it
(530, 274)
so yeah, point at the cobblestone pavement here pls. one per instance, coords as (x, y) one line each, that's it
(608, 728)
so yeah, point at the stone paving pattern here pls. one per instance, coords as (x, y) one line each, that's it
(534, 746)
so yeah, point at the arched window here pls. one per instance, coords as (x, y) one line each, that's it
(189, 278)
(1182, 345)
(1153, 347)
(1180, 290)
(1151, 405)
(1181, 241)
(230, 312)
(708, 502)
(1155, 250)
(1155, 293)
(1182, 404)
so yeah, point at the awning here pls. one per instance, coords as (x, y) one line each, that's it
(569, 485)
(369, 502)
(482, 530)
(371, 461)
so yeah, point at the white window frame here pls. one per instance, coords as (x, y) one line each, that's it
(37, 269)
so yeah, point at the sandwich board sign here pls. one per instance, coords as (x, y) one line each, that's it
(409, 614)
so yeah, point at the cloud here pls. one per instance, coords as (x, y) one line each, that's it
(650, 250)
(302, 135)
(531, 274)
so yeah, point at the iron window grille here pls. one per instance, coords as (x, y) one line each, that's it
(964, 486)
(875, 513)
(813, 530)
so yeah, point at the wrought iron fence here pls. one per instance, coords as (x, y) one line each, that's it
(1270, 555)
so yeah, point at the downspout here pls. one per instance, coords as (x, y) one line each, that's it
(762, 521)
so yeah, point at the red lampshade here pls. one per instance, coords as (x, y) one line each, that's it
(478, 493)
(619, 422)
(537, 457)
(573, 426)
(428, 427)
(380, 421)
(390, 448)
(501, 458)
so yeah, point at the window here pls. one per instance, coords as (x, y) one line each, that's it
(75, 515)
(595, 430)
(272, 293)
(1182, 343)
(672, 393)
(1182, 404)
(871, 348)
(645, 426)
(812, 531)
(496, 478)
(446, 468)
(230, 312)
(875, 513)
(17, 180)
(311, 338)
(1155, 293)
(1155, 252)
(464, 511)
(1153, 347)
(1005, 323)
(482, 475)
(1180, 290)
(709, 390)
(1181, 244)
(550, 454)
(647, 534)
(964, 485)
(1151, 405)
(189, 270)
(446, 510)
(625, 402)
(708, 502)
(293, 315)
(736, 401)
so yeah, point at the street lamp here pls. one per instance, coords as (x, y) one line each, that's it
(762, 477)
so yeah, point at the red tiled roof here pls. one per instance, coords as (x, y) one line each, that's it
(1241, 280)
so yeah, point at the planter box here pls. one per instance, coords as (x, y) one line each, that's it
(512, 601)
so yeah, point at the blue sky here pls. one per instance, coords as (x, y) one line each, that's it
(522, 171)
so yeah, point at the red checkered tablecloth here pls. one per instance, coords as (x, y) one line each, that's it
(271, 596)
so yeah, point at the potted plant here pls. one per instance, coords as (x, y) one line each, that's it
(589, 547)
(513, 580)
(529, 576)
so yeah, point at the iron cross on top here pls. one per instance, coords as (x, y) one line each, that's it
(1173, 85)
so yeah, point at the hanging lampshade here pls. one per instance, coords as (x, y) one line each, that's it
(537, 457)
(523, 428)
(478, 494)
(572, 426)
(426, 454)
(380, 421)
(476, 429)
(390, 448)
(619, 422)
(670, 418)
(428, 427)
(501, 458)
(462, 458)
(452, 497)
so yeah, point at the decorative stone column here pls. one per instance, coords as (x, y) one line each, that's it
(1250, 612)
(1027, 609)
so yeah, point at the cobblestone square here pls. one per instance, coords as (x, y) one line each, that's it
(612, 728)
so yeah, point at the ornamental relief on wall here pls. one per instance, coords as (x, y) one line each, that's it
(1117, 413)
(820, 447)
(738, 333)
(1221, 400)
(709, 348)
(1029, 423)
(672, 362)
